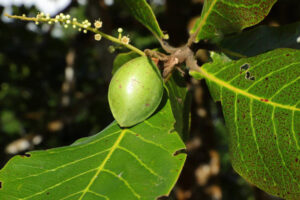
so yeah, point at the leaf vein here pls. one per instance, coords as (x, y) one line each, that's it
(58, 184)
(256, 143)
(269, 74)
(293, 130)
(237, 132)
(70, 195)
(140, 161)
(150, 142)
(100, 168)
(83, 145)
(278, 148)
(62, 166)
(97, 194)
(242, 92)
(283, 87)
(124, 181)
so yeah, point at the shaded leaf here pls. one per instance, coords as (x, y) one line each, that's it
(221, 17)
(261, 39)
(262, 116)
(180, 99)
(141, 10)
(135, 163)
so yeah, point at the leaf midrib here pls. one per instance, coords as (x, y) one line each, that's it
(203, 20)
(101, 167)
(242, 92)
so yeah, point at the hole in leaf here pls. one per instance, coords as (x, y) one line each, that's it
(247, 75)
(27, 155)
(0, 185)
(172, 131)
(245, 67)
(252, 78)
(180, 151)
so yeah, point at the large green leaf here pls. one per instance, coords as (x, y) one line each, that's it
(261, 39)
(221, 17)
(262, 116)
(137, 163)
(141, 10)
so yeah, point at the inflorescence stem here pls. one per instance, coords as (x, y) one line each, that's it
(80, 25)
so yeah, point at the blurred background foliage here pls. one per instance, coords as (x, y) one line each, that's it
(53, 86)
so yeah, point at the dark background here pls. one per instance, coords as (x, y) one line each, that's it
(41, 108)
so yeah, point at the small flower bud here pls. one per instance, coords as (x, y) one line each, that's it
(98, 24)
(98, 37)
(125, 40)
(120, 30)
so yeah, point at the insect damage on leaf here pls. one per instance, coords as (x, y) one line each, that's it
(245, 67)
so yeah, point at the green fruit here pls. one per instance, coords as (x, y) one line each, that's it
(135, 91)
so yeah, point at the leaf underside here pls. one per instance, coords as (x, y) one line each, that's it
(135, 163)
(262, 116)
(220, 17)
(261, 39)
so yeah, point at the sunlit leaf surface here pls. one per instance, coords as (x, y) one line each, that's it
(136, 163)
(261, 103)
(221, 17)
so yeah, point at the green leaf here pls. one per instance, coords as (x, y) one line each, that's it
(261, 39)
(141, 10)
(220, 17)
(123, 58)
(263, 117)
(180, 99)
(136, 163)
